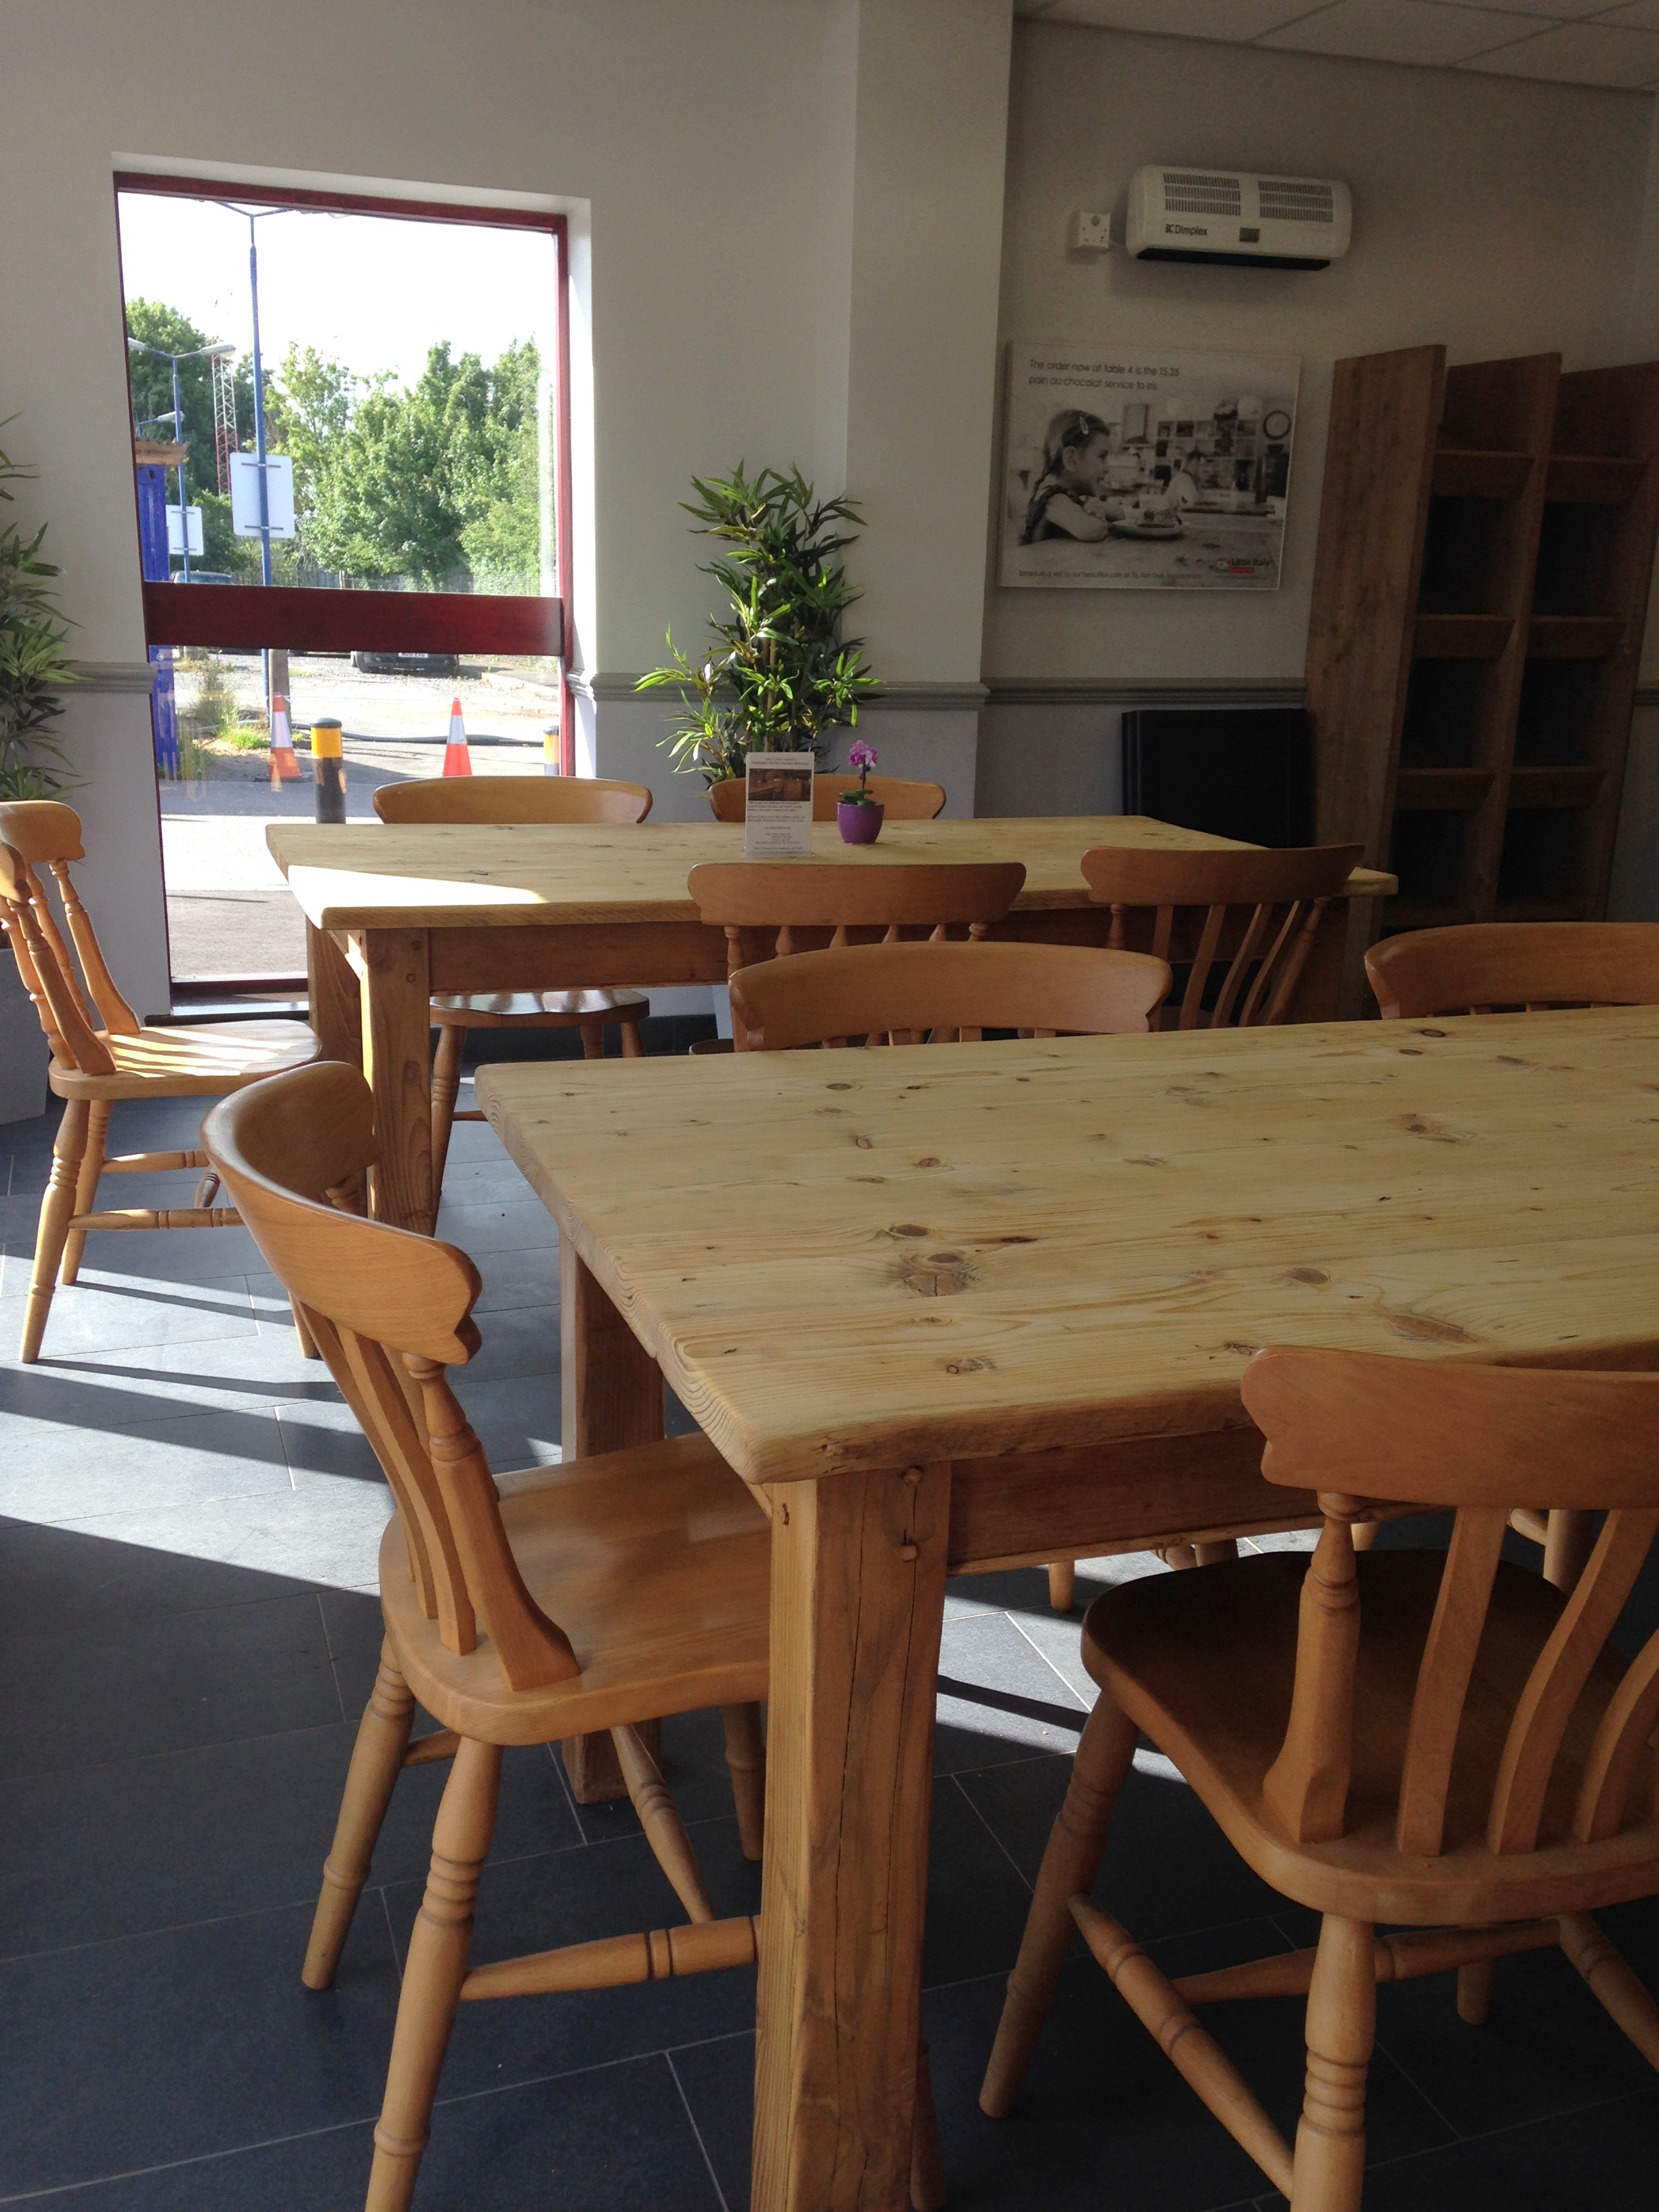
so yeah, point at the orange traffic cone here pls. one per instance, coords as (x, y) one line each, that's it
(457, 759)
(284, 768)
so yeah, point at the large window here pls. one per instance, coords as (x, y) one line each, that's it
(351, 464)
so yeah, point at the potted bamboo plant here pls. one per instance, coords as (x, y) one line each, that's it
(778, 677)
(32, 670)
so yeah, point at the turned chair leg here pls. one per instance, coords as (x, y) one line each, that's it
(1213, 1555)
(445, 1090)
(1070, 1864)
(86, 1186)
(433, 1973)
(1475, 1991)
(632, 1044)
(1567, 1547)
(593, 1041)
(1062, 1584)
(377, 1760)
(746, 1756)
(1330, 2141)
(56, 1212)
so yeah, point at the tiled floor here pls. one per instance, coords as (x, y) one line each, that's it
(187, 1637)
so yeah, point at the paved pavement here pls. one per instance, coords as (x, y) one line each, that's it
(228, 911)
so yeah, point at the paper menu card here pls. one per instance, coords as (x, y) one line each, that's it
(778, 816)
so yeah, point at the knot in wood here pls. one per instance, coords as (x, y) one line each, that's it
(940, 1275)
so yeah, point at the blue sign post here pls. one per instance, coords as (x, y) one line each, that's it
(153, 558)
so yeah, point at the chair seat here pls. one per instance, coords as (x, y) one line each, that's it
(487, 1010)
(1204, 1663)
(656, 1563)
(206, 1057)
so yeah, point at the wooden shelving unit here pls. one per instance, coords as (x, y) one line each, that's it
(1485, 547)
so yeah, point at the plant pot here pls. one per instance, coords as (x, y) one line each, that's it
(860, 823)
(23, 1048)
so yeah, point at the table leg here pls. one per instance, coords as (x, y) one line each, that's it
(397, 1061)
(857, 1598)
(610, 1397)
(336, 1012)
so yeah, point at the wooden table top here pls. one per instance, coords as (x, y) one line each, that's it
(845, 1261)
(425, 876)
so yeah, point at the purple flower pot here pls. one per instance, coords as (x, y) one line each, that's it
(859, 824)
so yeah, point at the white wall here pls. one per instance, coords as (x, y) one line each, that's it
(1495, 216)
(784, 226)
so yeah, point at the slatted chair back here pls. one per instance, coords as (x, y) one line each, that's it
(1486, 967)
(903, 799)
(388, 1310)
(503, 800)
(75, 1010)
(1279, 898)
(1353, 1426)
(940, 993)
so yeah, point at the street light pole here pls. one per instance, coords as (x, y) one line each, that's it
(259, 403)
(183, 501)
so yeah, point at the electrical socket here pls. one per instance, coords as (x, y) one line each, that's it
(1091, 233)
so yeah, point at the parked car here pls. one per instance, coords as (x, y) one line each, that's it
(407, 664)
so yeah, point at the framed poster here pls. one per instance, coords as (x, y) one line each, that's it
(1125, 470)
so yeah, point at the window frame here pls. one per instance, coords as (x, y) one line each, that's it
(252, 618)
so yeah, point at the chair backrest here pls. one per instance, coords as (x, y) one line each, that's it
(1528, 965)
(502, 800)
(1279, 896)
(1356, 1425)
(912, 994)
(779, 897)
(389, 1310)
(44, 833)
(902, 799)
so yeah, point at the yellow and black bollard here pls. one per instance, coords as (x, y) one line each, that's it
(328, 765)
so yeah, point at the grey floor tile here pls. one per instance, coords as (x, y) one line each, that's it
(325, 1443)
(51, 1578)
(156, 1682)
(198, 2040)
(226, 1828)
(507, 1223)
(327, 1532)
(49, 1473)
(526, 1276)
(517, 1341)
(998, 1696)
(102, 1314)
(145, 1383)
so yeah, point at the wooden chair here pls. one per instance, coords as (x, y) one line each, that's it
(612, 1591)
(508, 801)
(775, 899)
(1525, 967)
(903, 799)
(1248, 963)
(935, 994)
(1488, 967)
(100, 1052)
(1438, 1740)
(504, 800)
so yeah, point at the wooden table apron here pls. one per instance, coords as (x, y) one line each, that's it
(394, 915)
(1061, 1376)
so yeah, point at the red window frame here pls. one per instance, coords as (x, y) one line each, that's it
(252, 616)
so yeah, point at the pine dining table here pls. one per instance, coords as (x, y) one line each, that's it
(394, 913)
(950, 1308)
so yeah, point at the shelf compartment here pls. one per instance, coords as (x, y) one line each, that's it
(1442, 790)
(1592, 479)
(1429, 852)
(1543, 860)
(1460, 637)
(1574, 637)
(1556, 722)
(1539, 789)
(1461, 473)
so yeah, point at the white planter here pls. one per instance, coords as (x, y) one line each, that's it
(23, 1050)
